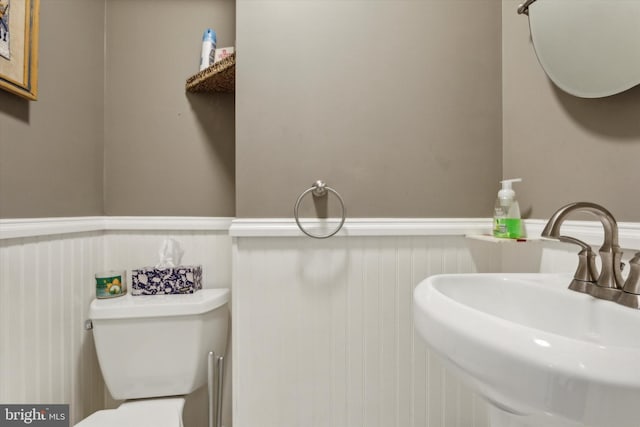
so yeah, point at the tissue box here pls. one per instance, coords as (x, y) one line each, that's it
(184, 279)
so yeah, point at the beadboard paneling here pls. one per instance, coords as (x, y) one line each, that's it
(131, 249)
(46, 356)
(46, 286)
(324, 327)
(323, 332)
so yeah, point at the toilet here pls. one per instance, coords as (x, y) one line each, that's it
(153, 351)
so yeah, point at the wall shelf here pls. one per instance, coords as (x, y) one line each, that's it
(490, 238)
(219, 77)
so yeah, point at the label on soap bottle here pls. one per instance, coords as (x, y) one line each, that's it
(507, 228)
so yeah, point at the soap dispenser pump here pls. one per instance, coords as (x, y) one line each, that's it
(506, 216)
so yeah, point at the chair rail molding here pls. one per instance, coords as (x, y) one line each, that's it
(31, 227)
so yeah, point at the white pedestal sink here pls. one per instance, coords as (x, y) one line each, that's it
(541, 354)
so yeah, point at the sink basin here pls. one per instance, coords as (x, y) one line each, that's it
(539, 353)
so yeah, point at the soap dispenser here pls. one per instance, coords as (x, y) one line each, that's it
(506, 215)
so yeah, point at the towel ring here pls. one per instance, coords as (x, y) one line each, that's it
(319, 189)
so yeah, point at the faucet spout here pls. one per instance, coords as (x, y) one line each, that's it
(609, 282)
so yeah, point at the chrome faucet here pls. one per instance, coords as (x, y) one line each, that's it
(608, 283)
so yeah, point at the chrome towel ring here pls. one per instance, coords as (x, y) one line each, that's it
(319, 189)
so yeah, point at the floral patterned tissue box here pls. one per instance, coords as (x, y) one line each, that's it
(183, 279)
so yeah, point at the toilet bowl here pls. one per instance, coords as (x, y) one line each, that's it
(160, 412)
(153, 351)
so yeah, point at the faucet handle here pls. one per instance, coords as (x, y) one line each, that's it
(630, 295)
(586, 274)
(632, 284)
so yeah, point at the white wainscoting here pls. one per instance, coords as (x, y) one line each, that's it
(323, 329)
(131, 249)
(47, 269)
(46, 356)
(323, 332)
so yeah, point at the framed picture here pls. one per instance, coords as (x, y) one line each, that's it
(19, 47)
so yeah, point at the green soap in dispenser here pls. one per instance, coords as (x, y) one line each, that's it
(506, 215)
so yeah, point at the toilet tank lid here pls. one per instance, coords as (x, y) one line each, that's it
(141, 306)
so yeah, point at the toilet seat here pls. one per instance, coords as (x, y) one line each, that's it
(161, 412)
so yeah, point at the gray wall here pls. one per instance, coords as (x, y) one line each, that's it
(396, 104)
(51, 150)
(566, 148)
(166, 152)
(389, 102)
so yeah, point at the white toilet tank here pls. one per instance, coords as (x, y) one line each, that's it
(152, 346)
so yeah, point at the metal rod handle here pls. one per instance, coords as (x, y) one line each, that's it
(211, 388)
(319, 189)
(220, 383)
(215, 368)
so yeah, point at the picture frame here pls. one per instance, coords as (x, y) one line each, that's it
(19, 30)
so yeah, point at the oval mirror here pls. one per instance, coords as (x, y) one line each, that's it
(588, 48)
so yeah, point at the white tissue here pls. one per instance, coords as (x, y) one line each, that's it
(170, 254)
